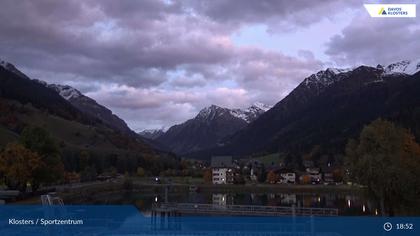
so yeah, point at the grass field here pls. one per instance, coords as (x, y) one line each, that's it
(269, 159)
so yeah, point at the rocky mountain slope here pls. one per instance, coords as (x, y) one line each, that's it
(89, 106)
(330, 107)
(210, 125)
(25, 102)
(151, 133)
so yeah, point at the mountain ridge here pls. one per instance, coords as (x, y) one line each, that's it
(89, 106)
(208, 127)
(40, 101)
(327, 108)
(151, 133)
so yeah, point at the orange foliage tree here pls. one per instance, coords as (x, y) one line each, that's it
(272, 177)
(208, 176)
(20, 166)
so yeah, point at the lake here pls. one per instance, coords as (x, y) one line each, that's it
(348, 204)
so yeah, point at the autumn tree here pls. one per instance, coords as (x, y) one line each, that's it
(208, 176)
(20, 166)
(337, 175)
(386, 159)
(40, 141)
(272, 177)
(305, 179)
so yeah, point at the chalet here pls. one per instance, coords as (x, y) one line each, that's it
(222, 169)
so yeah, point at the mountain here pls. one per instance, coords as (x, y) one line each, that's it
(330, 107)
(151, 133)
(89, 106)
(210, 125)
(25, 102)
(251, 113)
(15, 85)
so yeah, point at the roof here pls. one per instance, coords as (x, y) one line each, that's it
(280, 169)
(221, 161)
(313, 170)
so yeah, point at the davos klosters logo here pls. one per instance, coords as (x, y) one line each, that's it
(391, 10)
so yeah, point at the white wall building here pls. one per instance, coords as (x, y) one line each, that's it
(288, 177)
(219, 175)
(222, 169)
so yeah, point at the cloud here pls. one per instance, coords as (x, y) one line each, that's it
(156, 108)
(278, 15)
(376, 40)
(100, 41)
(156, 62)
(188, 82)
(137, 98)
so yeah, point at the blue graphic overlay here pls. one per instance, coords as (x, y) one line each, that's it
(127, 220)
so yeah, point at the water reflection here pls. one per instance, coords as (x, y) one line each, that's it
(219, 199)
(347, 204)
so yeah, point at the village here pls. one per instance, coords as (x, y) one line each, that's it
(225, 170)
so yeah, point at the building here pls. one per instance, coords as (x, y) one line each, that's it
(328, 174)
(222, 169)
(288, 177)
(314, 174)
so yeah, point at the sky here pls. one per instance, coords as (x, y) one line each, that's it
(156, 63)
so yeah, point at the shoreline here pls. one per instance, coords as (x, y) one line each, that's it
(88, 191)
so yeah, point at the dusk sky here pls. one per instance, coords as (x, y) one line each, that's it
(157, 63)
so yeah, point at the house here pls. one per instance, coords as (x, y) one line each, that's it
(222, 169)
(314, 174)
(328, 177)
(328, 174)
(287, 177)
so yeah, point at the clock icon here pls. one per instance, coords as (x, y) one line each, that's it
(387, 226)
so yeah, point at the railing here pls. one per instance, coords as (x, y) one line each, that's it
(49, 200)
(245, 209)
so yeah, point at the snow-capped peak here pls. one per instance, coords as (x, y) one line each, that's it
(3, 63)
(406, 67)
(6, 65)
(41, 82)
(251, 113)
(326, 77)
(66, 91)
(210, 112)
(261, 106)
(152, 133)
(248, 115)
(10, 67)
